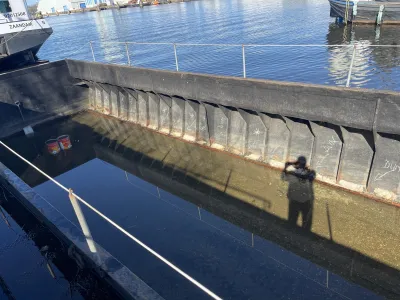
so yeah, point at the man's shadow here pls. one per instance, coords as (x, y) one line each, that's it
(300, 191)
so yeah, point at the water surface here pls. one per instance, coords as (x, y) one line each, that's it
(28, 250)
(234, 22)
(221, 219)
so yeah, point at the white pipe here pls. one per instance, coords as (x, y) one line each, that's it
(192, 280)
(82, 222)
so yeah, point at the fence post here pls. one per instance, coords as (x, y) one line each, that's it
(127, 53)
(91, 48)
(176, 58)
(82, 222)
(244, 62)
(351, 66)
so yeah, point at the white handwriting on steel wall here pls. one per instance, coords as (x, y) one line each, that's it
(254, 142)
(192, 120)
(257, 142)
(327, 150)
(390, 166)
(164, 117)
(221, 124)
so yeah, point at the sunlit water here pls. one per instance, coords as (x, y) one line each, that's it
(233, 22)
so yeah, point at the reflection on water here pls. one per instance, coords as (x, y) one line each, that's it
(233, 22)
(376, 67)
(221, 219)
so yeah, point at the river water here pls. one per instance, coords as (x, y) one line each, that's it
(234, 22)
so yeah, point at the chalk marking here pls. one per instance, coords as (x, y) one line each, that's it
(392, 166)
(327, 149)
(379, 176)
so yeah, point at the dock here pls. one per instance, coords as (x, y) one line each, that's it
(108, 7)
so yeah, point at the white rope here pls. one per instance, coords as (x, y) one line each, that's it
(195, 282)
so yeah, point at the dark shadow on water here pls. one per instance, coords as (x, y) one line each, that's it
(300, 192)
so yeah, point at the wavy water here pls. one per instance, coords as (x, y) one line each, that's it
(234, 22)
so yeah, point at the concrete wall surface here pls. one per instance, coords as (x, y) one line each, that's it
(350, 137)
(43, 91)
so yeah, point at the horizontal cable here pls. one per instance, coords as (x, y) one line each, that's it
(247, 45)
(195, 282)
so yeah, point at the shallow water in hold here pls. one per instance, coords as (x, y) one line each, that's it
(223, 220)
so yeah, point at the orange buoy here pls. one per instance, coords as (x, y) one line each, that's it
(65, 142)
(53, 147)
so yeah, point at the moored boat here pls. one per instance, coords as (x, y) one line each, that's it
(21, 35)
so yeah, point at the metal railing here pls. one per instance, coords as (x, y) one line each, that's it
(130, 58)
(242, 46)
(351, 66)
(75, 200)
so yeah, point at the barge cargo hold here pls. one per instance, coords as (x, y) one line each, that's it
(155, 140)
(212, 214)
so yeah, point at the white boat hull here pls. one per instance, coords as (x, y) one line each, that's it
(20, 41)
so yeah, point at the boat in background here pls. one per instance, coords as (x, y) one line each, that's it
(367, 12)
(21, 35)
